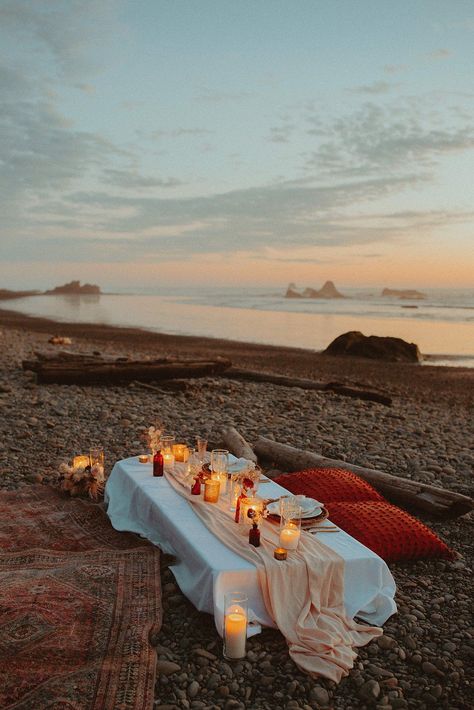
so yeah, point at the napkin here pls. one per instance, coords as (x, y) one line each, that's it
(235, 465)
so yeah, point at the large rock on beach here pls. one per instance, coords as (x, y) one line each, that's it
(327, 291)
(374, 347)
(75, 288)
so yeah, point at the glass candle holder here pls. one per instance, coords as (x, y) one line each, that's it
(235, 487)
(251, 510)
(97, 458)
(211, 490)
(80, 461)
(290, 530)
(167, 452)
(235, 625)
(219, 460)
(180, 452)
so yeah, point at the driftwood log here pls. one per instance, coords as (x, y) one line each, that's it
(401, 490)
(71, 368)
(236, 444)
(236, 373)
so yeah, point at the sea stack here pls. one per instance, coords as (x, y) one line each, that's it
(75, 288)
(327, 291)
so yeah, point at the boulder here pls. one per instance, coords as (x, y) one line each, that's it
(356, 344)
(291, 292)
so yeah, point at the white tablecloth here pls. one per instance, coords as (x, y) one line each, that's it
(206, 569)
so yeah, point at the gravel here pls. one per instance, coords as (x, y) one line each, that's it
(426, 656)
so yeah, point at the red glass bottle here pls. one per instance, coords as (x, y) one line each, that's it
(237, 506)
(196, 487)
(158, 463)
(254, 535)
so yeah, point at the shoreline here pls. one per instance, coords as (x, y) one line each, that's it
(404, 379)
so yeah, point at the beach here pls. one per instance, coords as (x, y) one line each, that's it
(425, 657)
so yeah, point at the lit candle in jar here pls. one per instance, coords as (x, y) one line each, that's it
(250, 510)
(235, 633)
(143, 458)
(180, 452)
(168, 461)
(80, 461)
(290, 536)
(211, 490)
(222, 478)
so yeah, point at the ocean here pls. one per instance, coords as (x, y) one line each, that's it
(442, 324)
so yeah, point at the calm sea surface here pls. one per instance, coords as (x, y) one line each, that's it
(442, 325)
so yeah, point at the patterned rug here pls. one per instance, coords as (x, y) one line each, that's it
(79, 603)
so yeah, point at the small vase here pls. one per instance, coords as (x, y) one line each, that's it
(157, 464)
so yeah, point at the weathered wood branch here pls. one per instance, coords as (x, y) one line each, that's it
(236, 444)
(237, 373)
(402, 490)
(91, 371)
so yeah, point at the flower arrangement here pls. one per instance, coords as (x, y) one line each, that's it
(82, 480)
(152, 436)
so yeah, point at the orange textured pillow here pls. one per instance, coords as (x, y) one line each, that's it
(390, 532)
(328, 484)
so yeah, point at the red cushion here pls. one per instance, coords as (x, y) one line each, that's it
(389, 531)
(328, 484)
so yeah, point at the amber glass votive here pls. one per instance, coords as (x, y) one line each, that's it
(279, 553)
(180, 452)
(211, 490)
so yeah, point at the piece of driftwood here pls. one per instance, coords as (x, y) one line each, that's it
(402, 490)
(236, 444)
(97, 371)
(237, 373)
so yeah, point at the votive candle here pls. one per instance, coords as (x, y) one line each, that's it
(180, 452)
(168, 461)
(289, 536)
(211, 490)
(81, 461)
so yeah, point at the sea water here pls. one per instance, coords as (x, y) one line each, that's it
(442, 324)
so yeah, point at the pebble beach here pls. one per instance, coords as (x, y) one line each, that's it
(425, 658)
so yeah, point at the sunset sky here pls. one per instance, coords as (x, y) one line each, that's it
(237, 142)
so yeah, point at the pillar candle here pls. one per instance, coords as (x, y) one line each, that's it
(235, 633)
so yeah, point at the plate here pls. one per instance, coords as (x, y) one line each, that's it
(305, 522)
(310, 508)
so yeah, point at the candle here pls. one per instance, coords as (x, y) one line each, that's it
(168, 461)
(180, 452)
(235, 633)
(289, 536)
(222, 478)
(143, 458)
(250, 510)
(280, 553)
(80, 461)
(211, 490)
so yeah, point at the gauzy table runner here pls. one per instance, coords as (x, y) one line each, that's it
(304, 595)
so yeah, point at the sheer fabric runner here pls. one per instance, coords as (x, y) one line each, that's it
(304, 595)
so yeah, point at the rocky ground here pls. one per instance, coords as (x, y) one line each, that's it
(425, 657)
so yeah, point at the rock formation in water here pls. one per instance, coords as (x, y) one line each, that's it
(408, 293)
(374, 347)
(327, 291)
(75, 288)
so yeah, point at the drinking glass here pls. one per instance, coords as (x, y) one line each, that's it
(290, 528)
(219, 460)
(201, 444)
(96, 456)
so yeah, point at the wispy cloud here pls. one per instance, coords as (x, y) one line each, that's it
(441, 53)
(377, 87)
(180, 132)
(132, 179)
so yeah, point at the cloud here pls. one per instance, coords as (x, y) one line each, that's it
(440, 53)
(179, 132)
(395, 68)
(281, 133)
(387, 140)
(132, 179)
(377, 87)
(222, 96)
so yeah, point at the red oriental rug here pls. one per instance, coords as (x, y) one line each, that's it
(79, 603)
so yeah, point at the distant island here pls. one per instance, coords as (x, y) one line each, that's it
(403, 293)
(74, 287)
(5, 294)
(327, 291)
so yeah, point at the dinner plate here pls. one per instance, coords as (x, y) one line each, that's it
(310, 508)
(305, 522)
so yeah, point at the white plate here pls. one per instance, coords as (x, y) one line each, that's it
(310, 507)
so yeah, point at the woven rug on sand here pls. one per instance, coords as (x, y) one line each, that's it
(79, 605)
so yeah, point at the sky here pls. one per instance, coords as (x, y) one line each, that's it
(237, 143)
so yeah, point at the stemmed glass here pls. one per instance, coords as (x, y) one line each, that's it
(201, 444)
